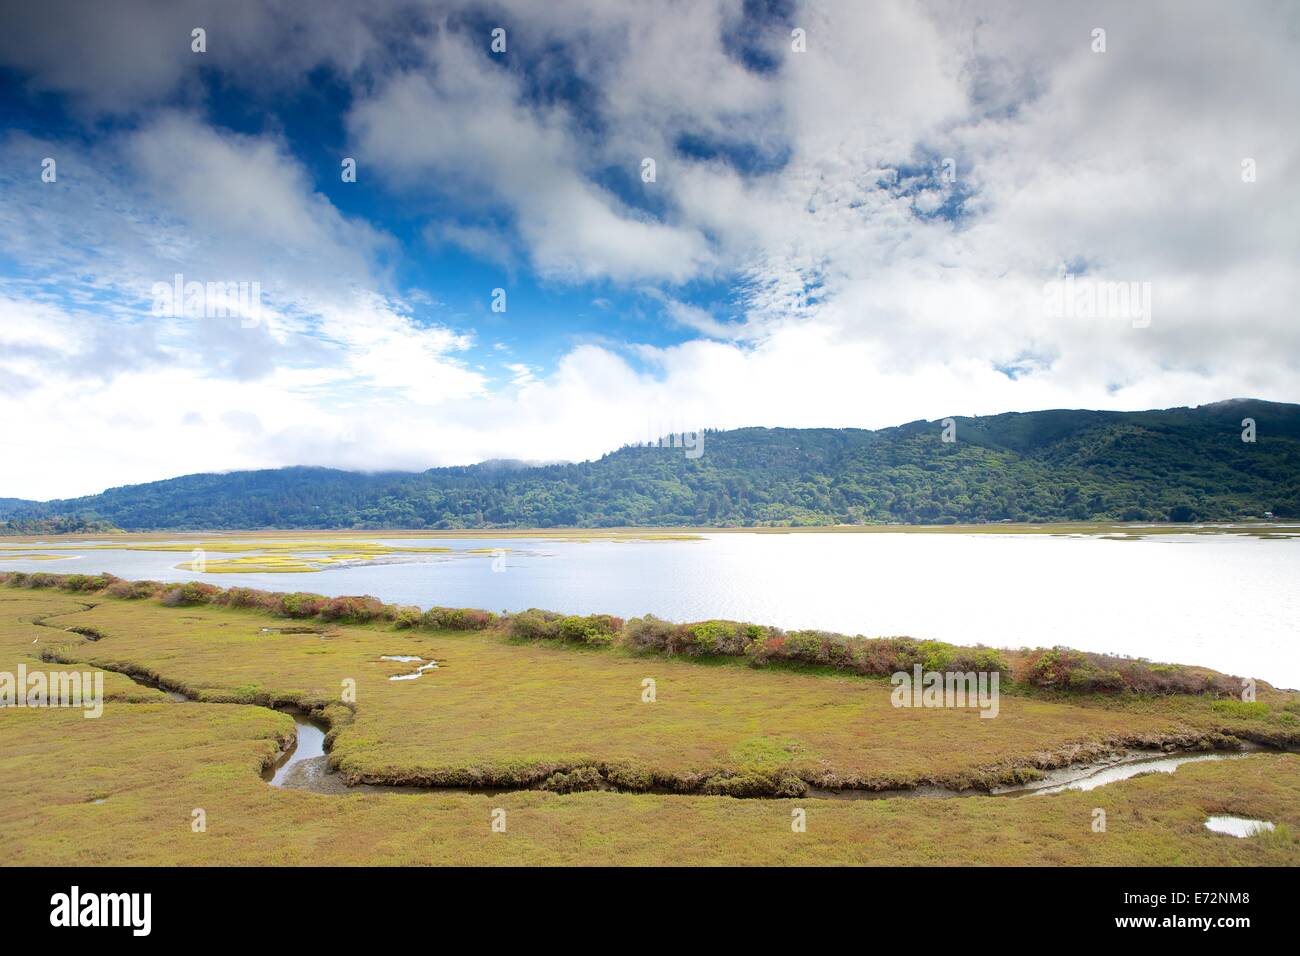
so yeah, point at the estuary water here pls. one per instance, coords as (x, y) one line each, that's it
(1231, 602)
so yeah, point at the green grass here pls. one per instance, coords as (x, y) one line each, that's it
(503, 712)
(507, 712)
(154, 764)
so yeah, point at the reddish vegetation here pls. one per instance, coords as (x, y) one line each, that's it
(1057, 668)
(1066, 669)
(877, 657)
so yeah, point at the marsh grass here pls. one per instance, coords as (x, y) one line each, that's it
(570, 717)
(513, 712)
(153, 764)
(1057, 668)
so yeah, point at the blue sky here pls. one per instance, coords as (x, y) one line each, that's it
(857, 215)
(544, 318)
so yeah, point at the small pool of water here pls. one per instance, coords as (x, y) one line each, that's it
(1240, 827)
(409, 659)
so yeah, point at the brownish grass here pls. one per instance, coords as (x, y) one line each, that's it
(511, 712)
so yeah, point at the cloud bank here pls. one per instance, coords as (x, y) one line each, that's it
(857, 233)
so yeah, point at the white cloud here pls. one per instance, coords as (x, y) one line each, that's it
(866, 303)
(480, 140)
(179, 197)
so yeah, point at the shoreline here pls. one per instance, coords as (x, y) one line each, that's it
(1054, 669)
(1279, 528)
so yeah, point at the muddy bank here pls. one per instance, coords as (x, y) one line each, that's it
(1038, 772)
(1081, 777)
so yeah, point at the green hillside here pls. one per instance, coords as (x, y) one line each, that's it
(1181, 464)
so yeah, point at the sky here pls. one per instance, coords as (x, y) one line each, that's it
(577, 224)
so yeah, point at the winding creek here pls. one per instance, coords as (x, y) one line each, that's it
(308, 744)
(422, 666)
(303, 763)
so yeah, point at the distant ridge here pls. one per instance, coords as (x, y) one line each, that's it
(1176, 464)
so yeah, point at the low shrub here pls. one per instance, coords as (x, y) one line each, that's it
(598, 630)
(533, 624)
(649, 633)
(699, 639)
(873, 656)
(247, 598)
(407, 617)
(355, 609)
(190, 593)
(718, 637)
(301, 604)
(34, 579)
(458, 618)
(762, 645)
(811, 647)
(135, 590)
(1064, 669)
(86, 582)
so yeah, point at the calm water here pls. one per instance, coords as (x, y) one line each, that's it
(1227, 602)
(1238, 826)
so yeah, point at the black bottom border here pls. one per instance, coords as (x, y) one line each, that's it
(304, 905)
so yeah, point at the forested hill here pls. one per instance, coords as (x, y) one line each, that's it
(1179, 464)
